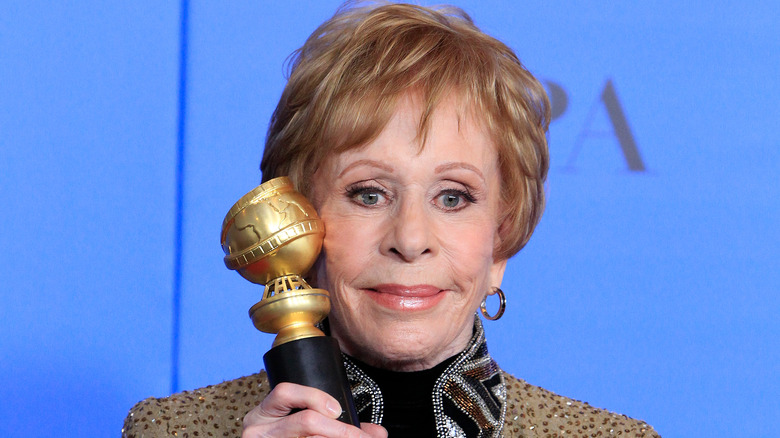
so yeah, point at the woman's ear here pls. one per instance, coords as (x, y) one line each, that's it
(497, 273)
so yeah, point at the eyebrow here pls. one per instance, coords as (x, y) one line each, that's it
(371, 163)
(439, 169)
(458, 165)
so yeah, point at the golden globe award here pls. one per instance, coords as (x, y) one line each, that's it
(272, 236)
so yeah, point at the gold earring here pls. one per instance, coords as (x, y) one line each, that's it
(501, 305)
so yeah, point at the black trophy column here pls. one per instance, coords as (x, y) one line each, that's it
(314, 362)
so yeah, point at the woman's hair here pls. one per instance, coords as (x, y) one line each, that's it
(346, 79)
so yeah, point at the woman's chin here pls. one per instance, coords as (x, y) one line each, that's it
(403, 345)
(405, 357)
(402, 328)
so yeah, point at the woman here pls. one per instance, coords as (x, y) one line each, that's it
(421, 142)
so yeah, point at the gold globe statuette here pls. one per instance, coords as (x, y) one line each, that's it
(272, 236)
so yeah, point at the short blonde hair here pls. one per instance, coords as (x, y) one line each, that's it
(346, 79)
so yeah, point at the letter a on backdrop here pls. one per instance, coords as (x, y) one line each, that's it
(620, 129)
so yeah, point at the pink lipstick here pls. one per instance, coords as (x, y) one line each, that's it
(406, 298)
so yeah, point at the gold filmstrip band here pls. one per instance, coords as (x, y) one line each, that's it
(261, 249)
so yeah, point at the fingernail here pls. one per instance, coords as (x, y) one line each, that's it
(334, 408)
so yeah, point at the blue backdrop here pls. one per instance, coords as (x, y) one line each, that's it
(650, 287)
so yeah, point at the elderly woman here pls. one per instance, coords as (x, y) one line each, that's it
(421, 142)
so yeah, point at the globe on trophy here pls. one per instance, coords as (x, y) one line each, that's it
(272, 236)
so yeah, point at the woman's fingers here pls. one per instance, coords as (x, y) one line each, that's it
(374, 430)
(317, 416)
(306, 423)
(286, 397)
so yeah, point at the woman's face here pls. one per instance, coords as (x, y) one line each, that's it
(408, 251)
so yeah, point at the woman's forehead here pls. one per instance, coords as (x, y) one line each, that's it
(451, 136)
(415, 110)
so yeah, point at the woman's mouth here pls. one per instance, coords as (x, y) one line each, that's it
(406, 298)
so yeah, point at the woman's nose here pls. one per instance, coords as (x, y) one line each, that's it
(410, 235)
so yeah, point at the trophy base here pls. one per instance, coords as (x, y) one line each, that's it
(291, 314)
(314, 362)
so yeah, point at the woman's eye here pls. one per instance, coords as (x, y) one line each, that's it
(454, 199)
(369, 198)
(450, 200)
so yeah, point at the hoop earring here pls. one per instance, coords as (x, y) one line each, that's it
(501, 305)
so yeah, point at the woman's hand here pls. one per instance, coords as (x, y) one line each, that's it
(317, 416)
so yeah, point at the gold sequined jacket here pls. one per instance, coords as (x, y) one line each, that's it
(472, 398)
